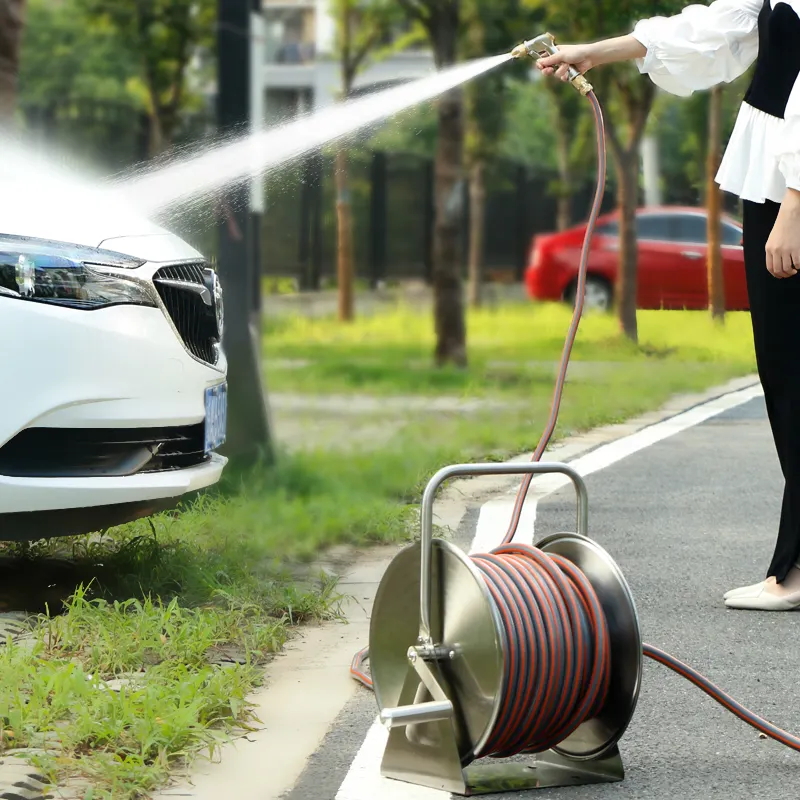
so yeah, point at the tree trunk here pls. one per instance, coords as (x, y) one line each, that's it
(627, 164)
(344, 223)
(451, 333)
(155, 143)
(716, 280)
(564, 194)
(12, 19)
(627, 160)
(477, 231)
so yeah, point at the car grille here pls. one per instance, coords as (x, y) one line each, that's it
(102, 452)
(193, 318)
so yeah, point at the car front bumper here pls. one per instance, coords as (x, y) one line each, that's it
(121, 368)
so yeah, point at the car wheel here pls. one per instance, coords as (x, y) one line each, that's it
(599, 294)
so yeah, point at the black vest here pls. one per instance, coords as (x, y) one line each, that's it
(778, 62)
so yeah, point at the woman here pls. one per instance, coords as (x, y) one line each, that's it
(697, 49)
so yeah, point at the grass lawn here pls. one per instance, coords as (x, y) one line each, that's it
(196, 601)
(512, 350)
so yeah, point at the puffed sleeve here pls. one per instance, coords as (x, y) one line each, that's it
(701, 47)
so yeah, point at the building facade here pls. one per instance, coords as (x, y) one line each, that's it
(300, 72)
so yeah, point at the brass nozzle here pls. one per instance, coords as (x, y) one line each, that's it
(519, 51)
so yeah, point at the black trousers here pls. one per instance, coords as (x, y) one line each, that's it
(775, 313)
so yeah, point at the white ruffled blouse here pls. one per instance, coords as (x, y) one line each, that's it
(707, 45)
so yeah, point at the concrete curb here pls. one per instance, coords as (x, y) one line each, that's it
(313, 672)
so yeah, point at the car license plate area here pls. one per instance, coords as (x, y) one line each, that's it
(216, 416)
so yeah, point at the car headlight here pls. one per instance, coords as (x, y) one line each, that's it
(69, 275)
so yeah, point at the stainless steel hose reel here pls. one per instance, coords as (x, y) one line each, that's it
(446, 657)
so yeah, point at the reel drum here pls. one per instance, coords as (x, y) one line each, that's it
(465, 621)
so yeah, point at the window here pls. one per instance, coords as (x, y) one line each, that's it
(691, 228)
(653, 227)
(609, 229)
(731, 235)
(290, 34)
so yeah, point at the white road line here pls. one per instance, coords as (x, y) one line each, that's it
(615, 451)
(363, 780)
(493, 523)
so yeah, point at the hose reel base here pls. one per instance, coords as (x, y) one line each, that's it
(434, 762)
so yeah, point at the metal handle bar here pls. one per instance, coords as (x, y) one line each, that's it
(475, 470)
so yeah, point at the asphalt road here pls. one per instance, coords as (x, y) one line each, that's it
(686, 519)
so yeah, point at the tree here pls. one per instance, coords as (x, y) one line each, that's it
(636, 96)
(716, 285)
(71, 66)
(529, 136)
(681, 125)
(249, 431)
(12, 18)
(165, 35)
(362, 32)
(694, 144)
(488, 27)
(441, 21)
(568, 110)
(621, 88)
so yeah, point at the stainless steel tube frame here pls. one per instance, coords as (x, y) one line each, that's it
(433, 711)
(476, 470)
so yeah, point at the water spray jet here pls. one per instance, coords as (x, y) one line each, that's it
(251, 156)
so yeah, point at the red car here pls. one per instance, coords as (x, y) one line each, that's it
(672, 271)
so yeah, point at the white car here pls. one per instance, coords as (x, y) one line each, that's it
(113, 397)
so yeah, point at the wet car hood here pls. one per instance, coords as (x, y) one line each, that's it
(88, 219)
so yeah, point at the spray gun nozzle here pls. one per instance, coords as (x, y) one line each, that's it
(543, 46)
(540, 47)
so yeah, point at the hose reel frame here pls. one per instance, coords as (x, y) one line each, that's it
(436, 652)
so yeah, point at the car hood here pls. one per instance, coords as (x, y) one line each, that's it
(75, 215)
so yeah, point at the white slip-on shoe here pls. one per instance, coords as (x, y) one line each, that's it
(745, 589)
(761, 600)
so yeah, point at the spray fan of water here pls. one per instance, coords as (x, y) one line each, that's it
(45, 194)
(189, 180)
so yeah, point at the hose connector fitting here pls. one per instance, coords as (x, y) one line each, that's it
(543, 46)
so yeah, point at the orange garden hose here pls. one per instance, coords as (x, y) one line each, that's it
(580, 293)
(558, 663)
(556, 641)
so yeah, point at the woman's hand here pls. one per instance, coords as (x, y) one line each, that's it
(587, 56)
(575, 55)
(783, 245)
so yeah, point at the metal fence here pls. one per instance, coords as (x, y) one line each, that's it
(393, 216)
